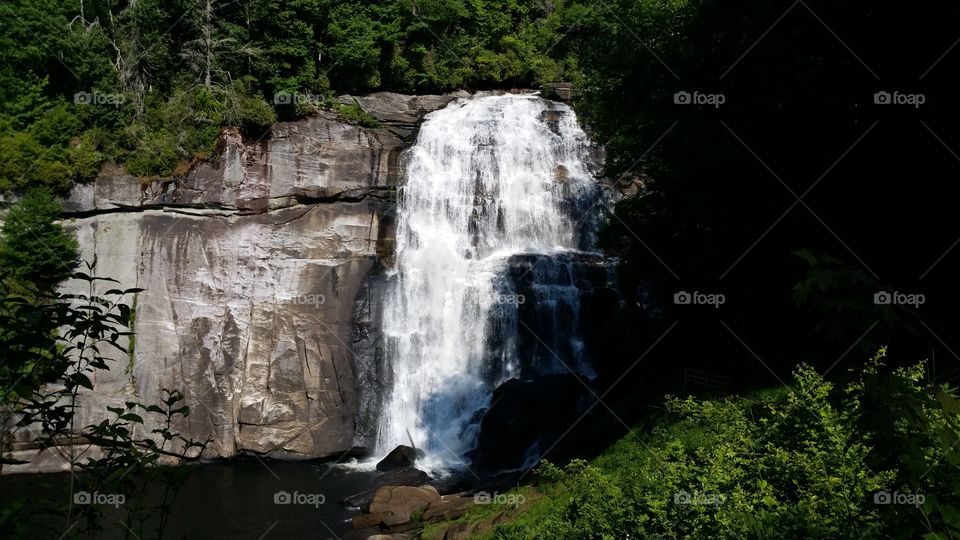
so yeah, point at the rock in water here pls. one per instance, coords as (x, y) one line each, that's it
(406, 476)
(396, 504)
(400, 457)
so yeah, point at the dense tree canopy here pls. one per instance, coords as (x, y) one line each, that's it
(150, 83)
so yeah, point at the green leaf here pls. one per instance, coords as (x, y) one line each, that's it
(82, 380)
(182, 410)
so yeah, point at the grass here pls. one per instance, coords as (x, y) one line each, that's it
(487, 516)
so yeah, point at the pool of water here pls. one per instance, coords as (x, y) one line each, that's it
(238, 500)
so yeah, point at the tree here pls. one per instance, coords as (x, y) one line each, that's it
(34, 248)
(208, 55)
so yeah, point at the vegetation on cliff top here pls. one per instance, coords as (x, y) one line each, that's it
(150, 84)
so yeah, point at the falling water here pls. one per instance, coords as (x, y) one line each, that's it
(488, 179)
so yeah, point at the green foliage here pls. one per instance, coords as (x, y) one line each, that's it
(243, 108)
(179, 72)
(802, 462)
(157, 156)
(130, 465)
(189, 123)
(53, 346)
(916, 431)
(833, 291)
(34, 248)
(354, 114)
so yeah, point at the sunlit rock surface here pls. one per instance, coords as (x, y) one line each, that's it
(251, 268)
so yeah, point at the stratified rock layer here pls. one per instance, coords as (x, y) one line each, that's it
(251, 269)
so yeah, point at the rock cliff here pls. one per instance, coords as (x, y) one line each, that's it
(251, 268)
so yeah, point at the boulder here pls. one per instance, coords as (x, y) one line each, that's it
(525, 413)
(400, 502)
(400, 457)
(407, 476)
(378, 519)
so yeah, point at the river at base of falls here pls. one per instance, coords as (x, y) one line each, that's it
(237, 500)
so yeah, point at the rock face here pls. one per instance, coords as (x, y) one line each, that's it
(251, 268)
(558, 90)
(400, 457)
(529, 414)
(260, 273)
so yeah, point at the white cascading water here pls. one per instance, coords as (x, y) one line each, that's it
(488, 178)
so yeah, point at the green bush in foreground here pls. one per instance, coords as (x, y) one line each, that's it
(797, 463)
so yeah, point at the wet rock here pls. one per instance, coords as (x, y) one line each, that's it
(360, 500)
(561, 174)
(400, 457)
(525, 416)
(408, 476)
(399, 503)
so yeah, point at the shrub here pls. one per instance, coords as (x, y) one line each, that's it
(34, 248)
(803, 462)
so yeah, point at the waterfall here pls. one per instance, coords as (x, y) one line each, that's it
(489, 179)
